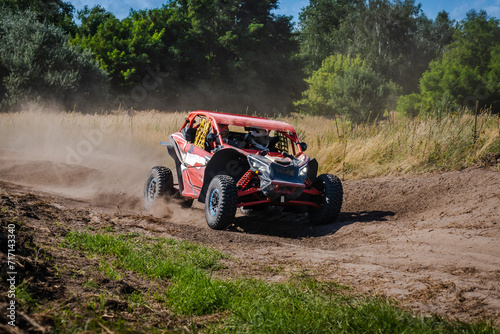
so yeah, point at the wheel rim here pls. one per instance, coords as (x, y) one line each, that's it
(152, 189)
(214, 202)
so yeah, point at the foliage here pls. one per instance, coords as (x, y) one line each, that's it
(468, 72)
(91, 19)
(410, 105)
(56, 12)
(318, 23)
(346, 86)
(395, 38)
(215, 53)
(238, 56)
(123, 48)
(44, 67)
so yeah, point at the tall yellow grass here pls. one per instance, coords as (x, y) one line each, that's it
(391, 147)
(399, 145)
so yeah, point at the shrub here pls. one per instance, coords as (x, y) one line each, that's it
(409, 105)
(44, 67)
(346, 86)
(468, 73)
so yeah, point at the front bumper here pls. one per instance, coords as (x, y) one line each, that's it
(282, 191)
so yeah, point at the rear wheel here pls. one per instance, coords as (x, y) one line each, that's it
(221, 202)
(330, 200)
(159, 185)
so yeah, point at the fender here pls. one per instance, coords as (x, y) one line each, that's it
(312, 170)
(228, 161)
(173, 151)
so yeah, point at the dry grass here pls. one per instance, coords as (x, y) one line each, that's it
(390, 147)
(398, 145)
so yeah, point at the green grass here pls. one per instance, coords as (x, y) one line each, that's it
(155, 258)
(302, 305)
(24, 296)
(109, 270)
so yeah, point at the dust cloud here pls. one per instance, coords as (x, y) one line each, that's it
(102, 159)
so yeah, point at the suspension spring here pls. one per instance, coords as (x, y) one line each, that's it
(245, 179)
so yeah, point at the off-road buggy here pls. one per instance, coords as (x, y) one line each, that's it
(232, 161)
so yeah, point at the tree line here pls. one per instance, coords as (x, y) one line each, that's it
(348, 58)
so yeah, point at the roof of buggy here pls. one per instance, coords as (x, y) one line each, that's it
(242, 120)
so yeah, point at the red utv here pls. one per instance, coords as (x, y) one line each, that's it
(228, 161)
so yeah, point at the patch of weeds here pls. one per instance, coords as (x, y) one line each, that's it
(109, 270)
(108, 229)
(90, 284)
(275, 270)
(41, 255)
(24, 297)
(155, 258)
(194, 292)
(76, 273)
(58, 272)
(68, 321)
(160, 297)
(136, 299)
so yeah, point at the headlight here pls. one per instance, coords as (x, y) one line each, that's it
(258, 165)
(303, 171)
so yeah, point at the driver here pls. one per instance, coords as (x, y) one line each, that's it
(258, 138)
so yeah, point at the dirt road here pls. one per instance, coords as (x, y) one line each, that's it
(432, 242)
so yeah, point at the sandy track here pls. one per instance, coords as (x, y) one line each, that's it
(431, 242)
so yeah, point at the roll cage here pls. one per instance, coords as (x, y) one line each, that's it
(204, 129)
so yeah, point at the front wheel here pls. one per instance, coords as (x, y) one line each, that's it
(221, 202)
(159, 184)
(330, 200)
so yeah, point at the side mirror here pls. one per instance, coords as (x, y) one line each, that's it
(211, 137)
(303, 146)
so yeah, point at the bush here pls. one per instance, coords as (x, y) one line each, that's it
(410, 105)
(346, 86)
(44, 67)
(468, 73)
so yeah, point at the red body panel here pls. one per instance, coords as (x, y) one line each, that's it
(193, 163)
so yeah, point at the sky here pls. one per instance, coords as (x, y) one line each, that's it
(456, 8)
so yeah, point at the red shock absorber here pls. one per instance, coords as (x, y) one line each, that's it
(245, 179)
(308, 183)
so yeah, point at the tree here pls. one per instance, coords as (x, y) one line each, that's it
(124, 49)
(345, 86)
(56, 12)
(44, 67)
(394, 38)
(318, 23)
(91, 19)
(467, 73)
(218, 54)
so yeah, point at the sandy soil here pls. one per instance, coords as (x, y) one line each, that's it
(430, 242)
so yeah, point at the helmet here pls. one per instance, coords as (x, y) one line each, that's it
(259, 138)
